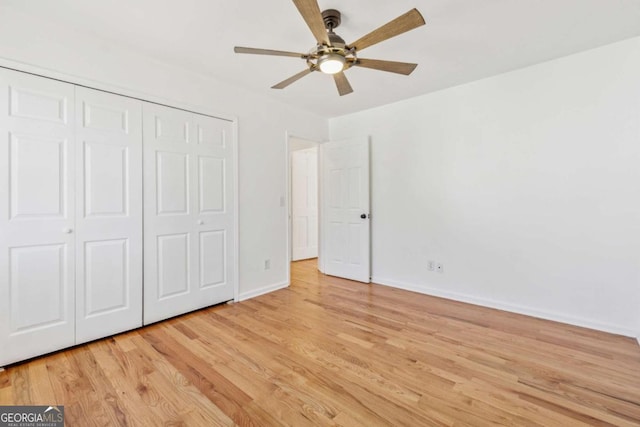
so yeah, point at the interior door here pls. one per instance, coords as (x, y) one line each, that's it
(189, 217)
(37, 244)
(345, 209)
(109, 214)
(304, 206)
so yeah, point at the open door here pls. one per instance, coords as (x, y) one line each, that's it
(345, 209)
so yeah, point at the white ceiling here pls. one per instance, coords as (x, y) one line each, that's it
(463, 41)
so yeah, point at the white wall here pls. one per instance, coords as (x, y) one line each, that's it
(263, 125)
(526, 186)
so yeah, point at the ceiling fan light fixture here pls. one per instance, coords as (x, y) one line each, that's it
(331, 63)
(331, 55)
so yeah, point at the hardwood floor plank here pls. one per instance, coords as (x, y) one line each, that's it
(6, 396)
(20, 386)
(116, 409)
(218, 389)
(179, 390)
(41, 390)
(128, 391)
(5, 379)
(68, 387)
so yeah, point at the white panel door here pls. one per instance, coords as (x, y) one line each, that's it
(189, 212)
(109, 214)
(304, 204)
(37, 211)
(345, 209)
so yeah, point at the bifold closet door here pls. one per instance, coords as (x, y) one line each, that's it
(108, 214)
(37, 242)
(189, 212)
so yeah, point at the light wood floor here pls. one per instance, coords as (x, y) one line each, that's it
(333, 352)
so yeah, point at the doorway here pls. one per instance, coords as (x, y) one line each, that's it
(303, 188)
(328, 212)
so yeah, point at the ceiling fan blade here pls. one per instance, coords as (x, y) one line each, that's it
(344, 88)
(401, 24)
(292, 79)
(405, 68)
(254, 51)
(311, 14)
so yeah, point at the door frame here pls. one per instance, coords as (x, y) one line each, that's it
(289, 206)
(154, 99)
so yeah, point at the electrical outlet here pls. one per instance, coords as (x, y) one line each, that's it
(431, 265)
(439, 268)
(267, 264)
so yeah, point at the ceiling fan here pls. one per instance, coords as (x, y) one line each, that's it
(332, 55)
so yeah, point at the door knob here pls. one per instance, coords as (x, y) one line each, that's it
(363, 216)
(67, 230)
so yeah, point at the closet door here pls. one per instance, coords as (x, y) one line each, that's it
(37, 245)
(109, 214)
(189, 212)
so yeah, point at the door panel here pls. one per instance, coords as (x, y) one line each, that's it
(42, 287)
(34, 101)
(106, 117)
(37, 246)
(109, 214)
(212, 257)
(168, 125)
(189, 212)
(107, 284)
(355, 188)
(213, 134)
(106, 179)
(173, 265)
(336, 186)
(172, 183)
(38, 167)
(215, 214)
(337, 241)
(345, 200)
(211, 183)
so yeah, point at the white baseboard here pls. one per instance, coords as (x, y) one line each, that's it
(513, 308)
(261, 291)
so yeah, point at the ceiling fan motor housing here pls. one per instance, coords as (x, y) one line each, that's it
(332, 18)
(336, 40)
